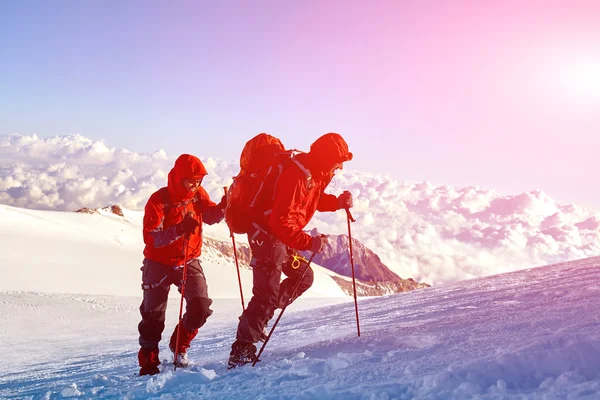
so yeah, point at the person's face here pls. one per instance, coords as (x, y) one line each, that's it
(334, 166)
(191, 184)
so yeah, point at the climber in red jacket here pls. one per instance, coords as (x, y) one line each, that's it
(299, 193)
(173, 220)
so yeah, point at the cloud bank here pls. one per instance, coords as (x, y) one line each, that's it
(432, 233)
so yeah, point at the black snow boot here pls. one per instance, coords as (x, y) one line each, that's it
(241, 353)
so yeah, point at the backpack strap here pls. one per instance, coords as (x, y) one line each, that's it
(262, 183)
(302, 168)
(305, 170)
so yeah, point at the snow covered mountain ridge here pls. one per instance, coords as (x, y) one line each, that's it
(372, 276)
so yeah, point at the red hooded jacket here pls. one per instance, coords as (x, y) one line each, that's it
(168, 206)
(300, 190)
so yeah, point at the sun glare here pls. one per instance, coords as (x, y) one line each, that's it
(583, 79)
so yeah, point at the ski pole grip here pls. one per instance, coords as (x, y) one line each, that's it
(349, 215)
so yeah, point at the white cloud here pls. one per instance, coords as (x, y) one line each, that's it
(431, 233)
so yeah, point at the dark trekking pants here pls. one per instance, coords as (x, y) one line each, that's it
(269, 259)
(157, 279)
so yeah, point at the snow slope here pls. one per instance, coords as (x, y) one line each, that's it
(530, 334)
(66, 252)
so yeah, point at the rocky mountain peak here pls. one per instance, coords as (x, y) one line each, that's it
(114, 209)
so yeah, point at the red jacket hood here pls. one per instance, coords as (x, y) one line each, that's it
(328, 149)
(186, 167)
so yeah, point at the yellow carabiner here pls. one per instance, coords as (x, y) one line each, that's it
(297, 260)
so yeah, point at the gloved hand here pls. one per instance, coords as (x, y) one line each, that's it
(345, 200)
(188, 225)
(223, 203)
(318, 243)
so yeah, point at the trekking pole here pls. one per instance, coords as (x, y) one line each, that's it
(283, 309)
(349, 218)
(185, 262)
(237, 265)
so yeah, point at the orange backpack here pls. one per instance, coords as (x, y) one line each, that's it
(251, 194)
